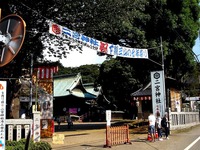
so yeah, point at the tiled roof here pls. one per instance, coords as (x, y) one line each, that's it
(146, 91)
(65, 85)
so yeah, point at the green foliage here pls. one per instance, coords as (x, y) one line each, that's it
(138, 24)
(118, 81)
(133, 24)
(89, 73)
(41, 146)
(20, 145)
(11, 143)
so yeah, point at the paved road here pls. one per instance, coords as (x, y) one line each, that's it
(95, 139)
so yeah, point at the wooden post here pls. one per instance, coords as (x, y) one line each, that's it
(0, 14)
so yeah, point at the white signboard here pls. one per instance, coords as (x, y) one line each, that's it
(3, 87)
(44, 124)
(36, 128)
(158, 92)
(108, 117)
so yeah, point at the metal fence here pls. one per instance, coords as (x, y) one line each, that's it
(180, 120)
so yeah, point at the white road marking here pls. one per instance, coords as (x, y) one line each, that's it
(189, 146)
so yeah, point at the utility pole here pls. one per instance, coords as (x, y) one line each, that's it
(163, 69)
(31, 86)
(161, 46)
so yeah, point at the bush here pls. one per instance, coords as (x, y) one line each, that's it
(16, 147)
(20, 145)
(11, 143)
(41, 146)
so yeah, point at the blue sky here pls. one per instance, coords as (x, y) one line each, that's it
(196, 48)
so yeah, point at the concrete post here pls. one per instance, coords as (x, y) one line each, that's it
(36, 126)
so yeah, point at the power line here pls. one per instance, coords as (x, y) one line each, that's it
(33, 10)
(34, 32)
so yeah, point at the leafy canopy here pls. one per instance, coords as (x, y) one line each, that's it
(138, 24)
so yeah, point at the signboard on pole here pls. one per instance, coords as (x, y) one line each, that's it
(108, 117)
(158, 92)
(3, 87)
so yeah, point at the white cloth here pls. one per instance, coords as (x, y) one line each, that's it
(158, 121)
(23, 116)
(152, 120)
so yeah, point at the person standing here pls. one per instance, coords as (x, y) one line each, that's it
(152, 122)
(58, 121)
(69, 121)
(159, 127)
(165, 125)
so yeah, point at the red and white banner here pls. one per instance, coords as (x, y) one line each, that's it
(46, 72)
(100, 46)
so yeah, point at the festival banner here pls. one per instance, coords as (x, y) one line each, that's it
(100, 46)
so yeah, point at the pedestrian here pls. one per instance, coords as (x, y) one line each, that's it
(159, 127)
(58, 121)
(69, 121)
(152, 122)
(165, 125)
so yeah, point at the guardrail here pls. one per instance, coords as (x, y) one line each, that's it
(18, 128)
(180, 120)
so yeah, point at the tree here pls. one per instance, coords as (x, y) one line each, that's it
(118, 81)
(138, 24)
(89, 73)
(177, 22)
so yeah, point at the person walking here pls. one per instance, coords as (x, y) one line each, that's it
(69, 121)
(152, 121)
(159, 127)
(165, 125)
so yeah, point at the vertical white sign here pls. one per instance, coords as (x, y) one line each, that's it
(3, 87)
(108, 117)
(158, 92)
(36, 128)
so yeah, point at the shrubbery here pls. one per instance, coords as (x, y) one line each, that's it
(20, 145)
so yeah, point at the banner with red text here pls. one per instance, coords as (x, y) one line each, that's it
(103, 47)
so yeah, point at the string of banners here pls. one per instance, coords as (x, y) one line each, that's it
(103, 47)
(46, 72)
